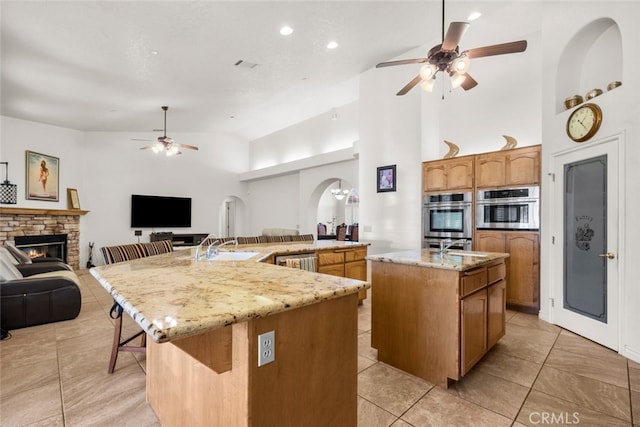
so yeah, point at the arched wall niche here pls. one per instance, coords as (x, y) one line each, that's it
(592, 59)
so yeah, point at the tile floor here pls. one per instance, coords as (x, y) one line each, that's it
(538, 374)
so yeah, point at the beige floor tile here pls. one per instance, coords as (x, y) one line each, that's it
(634, 378)
(32, 405)
(526, 343)
(400, 423)
(86, 342)
(370, 415)
(533, 321)
(539, 405)
(364, 363)
(597, 395)
(635, 406)
(95, 323)
(28, 346)
(22, 378)
(54, 421)
(634, 365)
(502, 365)
(439, 408)
(496, 394)
(573, 343)
(611, 371)
(391, 389)
(509, 314)
(364, 347)
(77, 363)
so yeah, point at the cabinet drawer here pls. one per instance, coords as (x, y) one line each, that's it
(496, 272)
(473, 280)
(328, 258)
(355, 255)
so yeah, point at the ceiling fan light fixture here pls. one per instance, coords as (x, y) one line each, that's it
(428, 71)
(460, 65)
(427, 85)
(456, 79)
(157, 147)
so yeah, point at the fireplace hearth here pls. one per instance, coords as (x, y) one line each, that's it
(43, 246)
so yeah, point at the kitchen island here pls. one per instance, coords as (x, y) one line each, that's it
(203, 319)
(436, 315)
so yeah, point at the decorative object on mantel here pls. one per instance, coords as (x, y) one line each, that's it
(73, 202)
(572, 101)
(613, 85)
(8, 191)
(453, 150)
(43, 174)
(593, 93)
(511, 142)
(386, 179)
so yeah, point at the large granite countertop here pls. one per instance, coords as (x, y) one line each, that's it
(431, 258)
(172, 296)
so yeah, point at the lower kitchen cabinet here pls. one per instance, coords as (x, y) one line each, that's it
(349, 262)
(523, 265)
(473, 323)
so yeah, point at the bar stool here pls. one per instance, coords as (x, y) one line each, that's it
(118, 345)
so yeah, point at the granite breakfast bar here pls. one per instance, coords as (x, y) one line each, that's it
(203, 318)
(436, 315)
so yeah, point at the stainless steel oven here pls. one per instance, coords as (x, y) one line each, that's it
(448, 216)
(508, 208)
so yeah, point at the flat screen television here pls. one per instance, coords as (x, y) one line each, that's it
(160, 211)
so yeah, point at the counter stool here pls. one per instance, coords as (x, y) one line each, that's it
(118, 346)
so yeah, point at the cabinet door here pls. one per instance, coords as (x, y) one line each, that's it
(496, 320)
(523, 279)
(490, 241)
(434, 176)
(473, 333)
(459, 174)
(334, 270)
(523, 166)
(490, 169)
(356, 270)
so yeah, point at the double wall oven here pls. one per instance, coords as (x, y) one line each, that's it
(449, 217)
(508, 209)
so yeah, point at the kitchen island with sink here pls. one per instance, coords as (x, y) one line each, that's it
(204, 318)
(435, 315)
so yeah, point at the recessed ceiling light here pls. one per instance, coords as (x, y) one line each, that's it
(154, 52)
(286, 30)
(474, 16)
(332, 45)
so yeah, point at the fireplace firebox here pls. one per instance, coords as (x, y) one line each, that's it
(43, 246)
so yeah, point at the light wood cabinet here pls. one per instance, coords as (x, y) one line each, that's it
(348, 262)
(523, 265)
(519, 166)
(448, 174)
(436, 323)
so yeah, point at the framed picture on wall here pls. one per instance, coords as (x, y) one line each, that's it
(386, 178)
(43, 177)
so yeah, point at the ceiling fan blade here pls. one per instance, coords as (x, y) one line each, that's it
(454, 35)
(140, 139)
(187, 146)
(145, 147)
(402, 62)
(468, 83)
(409, 85)
(497, 49)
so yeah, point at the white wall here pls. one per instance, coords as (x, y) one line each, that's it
(107, 167)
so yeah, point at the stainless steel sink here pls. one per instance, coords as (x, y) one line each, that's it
(464, 253)
(233, 256)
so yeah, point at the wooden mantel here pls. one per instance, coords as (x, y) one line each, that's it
(39, 211)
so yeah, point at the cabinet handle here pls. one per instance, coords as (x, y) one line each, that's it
(609, 255)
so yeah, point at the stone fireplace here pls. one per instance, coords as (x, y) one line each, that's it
(43, 246)
(27, 222)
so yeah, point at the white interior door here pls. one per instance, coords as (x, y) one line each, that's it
(584, 215)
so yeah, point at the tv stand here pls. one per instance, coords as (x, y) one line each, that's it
(187, 239)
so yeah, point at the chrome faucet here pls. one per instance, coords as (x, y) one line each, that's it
(206, 239)
(444, 247)
(216, 251)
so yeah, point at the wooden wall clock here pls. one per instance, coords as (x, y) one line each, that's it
(584, 122)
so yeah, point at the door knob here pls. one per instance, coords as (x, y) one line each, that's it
(609, 255)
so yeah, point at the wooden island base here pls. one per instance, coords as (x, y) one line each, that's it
(213, 379)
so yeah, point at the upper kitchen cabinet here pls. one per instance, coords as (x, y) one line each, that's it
(518, 166)
(448, 174)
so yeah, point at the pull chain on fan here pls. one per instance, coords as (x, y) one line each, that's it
(166, 144)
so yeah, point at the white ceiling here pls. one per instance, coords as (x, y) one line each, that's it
(88, 65)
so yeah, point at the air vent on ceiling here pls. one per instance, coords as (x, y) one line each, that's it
(245, 64)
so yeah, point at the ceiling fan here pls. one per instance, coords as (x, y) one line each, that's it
(166, 144)
(447, 58)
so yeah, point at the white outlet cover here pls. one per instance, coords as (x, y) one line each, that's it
(266, 348)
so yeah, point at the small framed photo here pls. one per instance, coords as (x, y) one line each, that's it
(43, 177)
(72, 199)
(386, 178)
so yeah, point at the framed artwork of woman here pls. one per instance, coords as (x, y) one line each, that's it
(43, 177)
